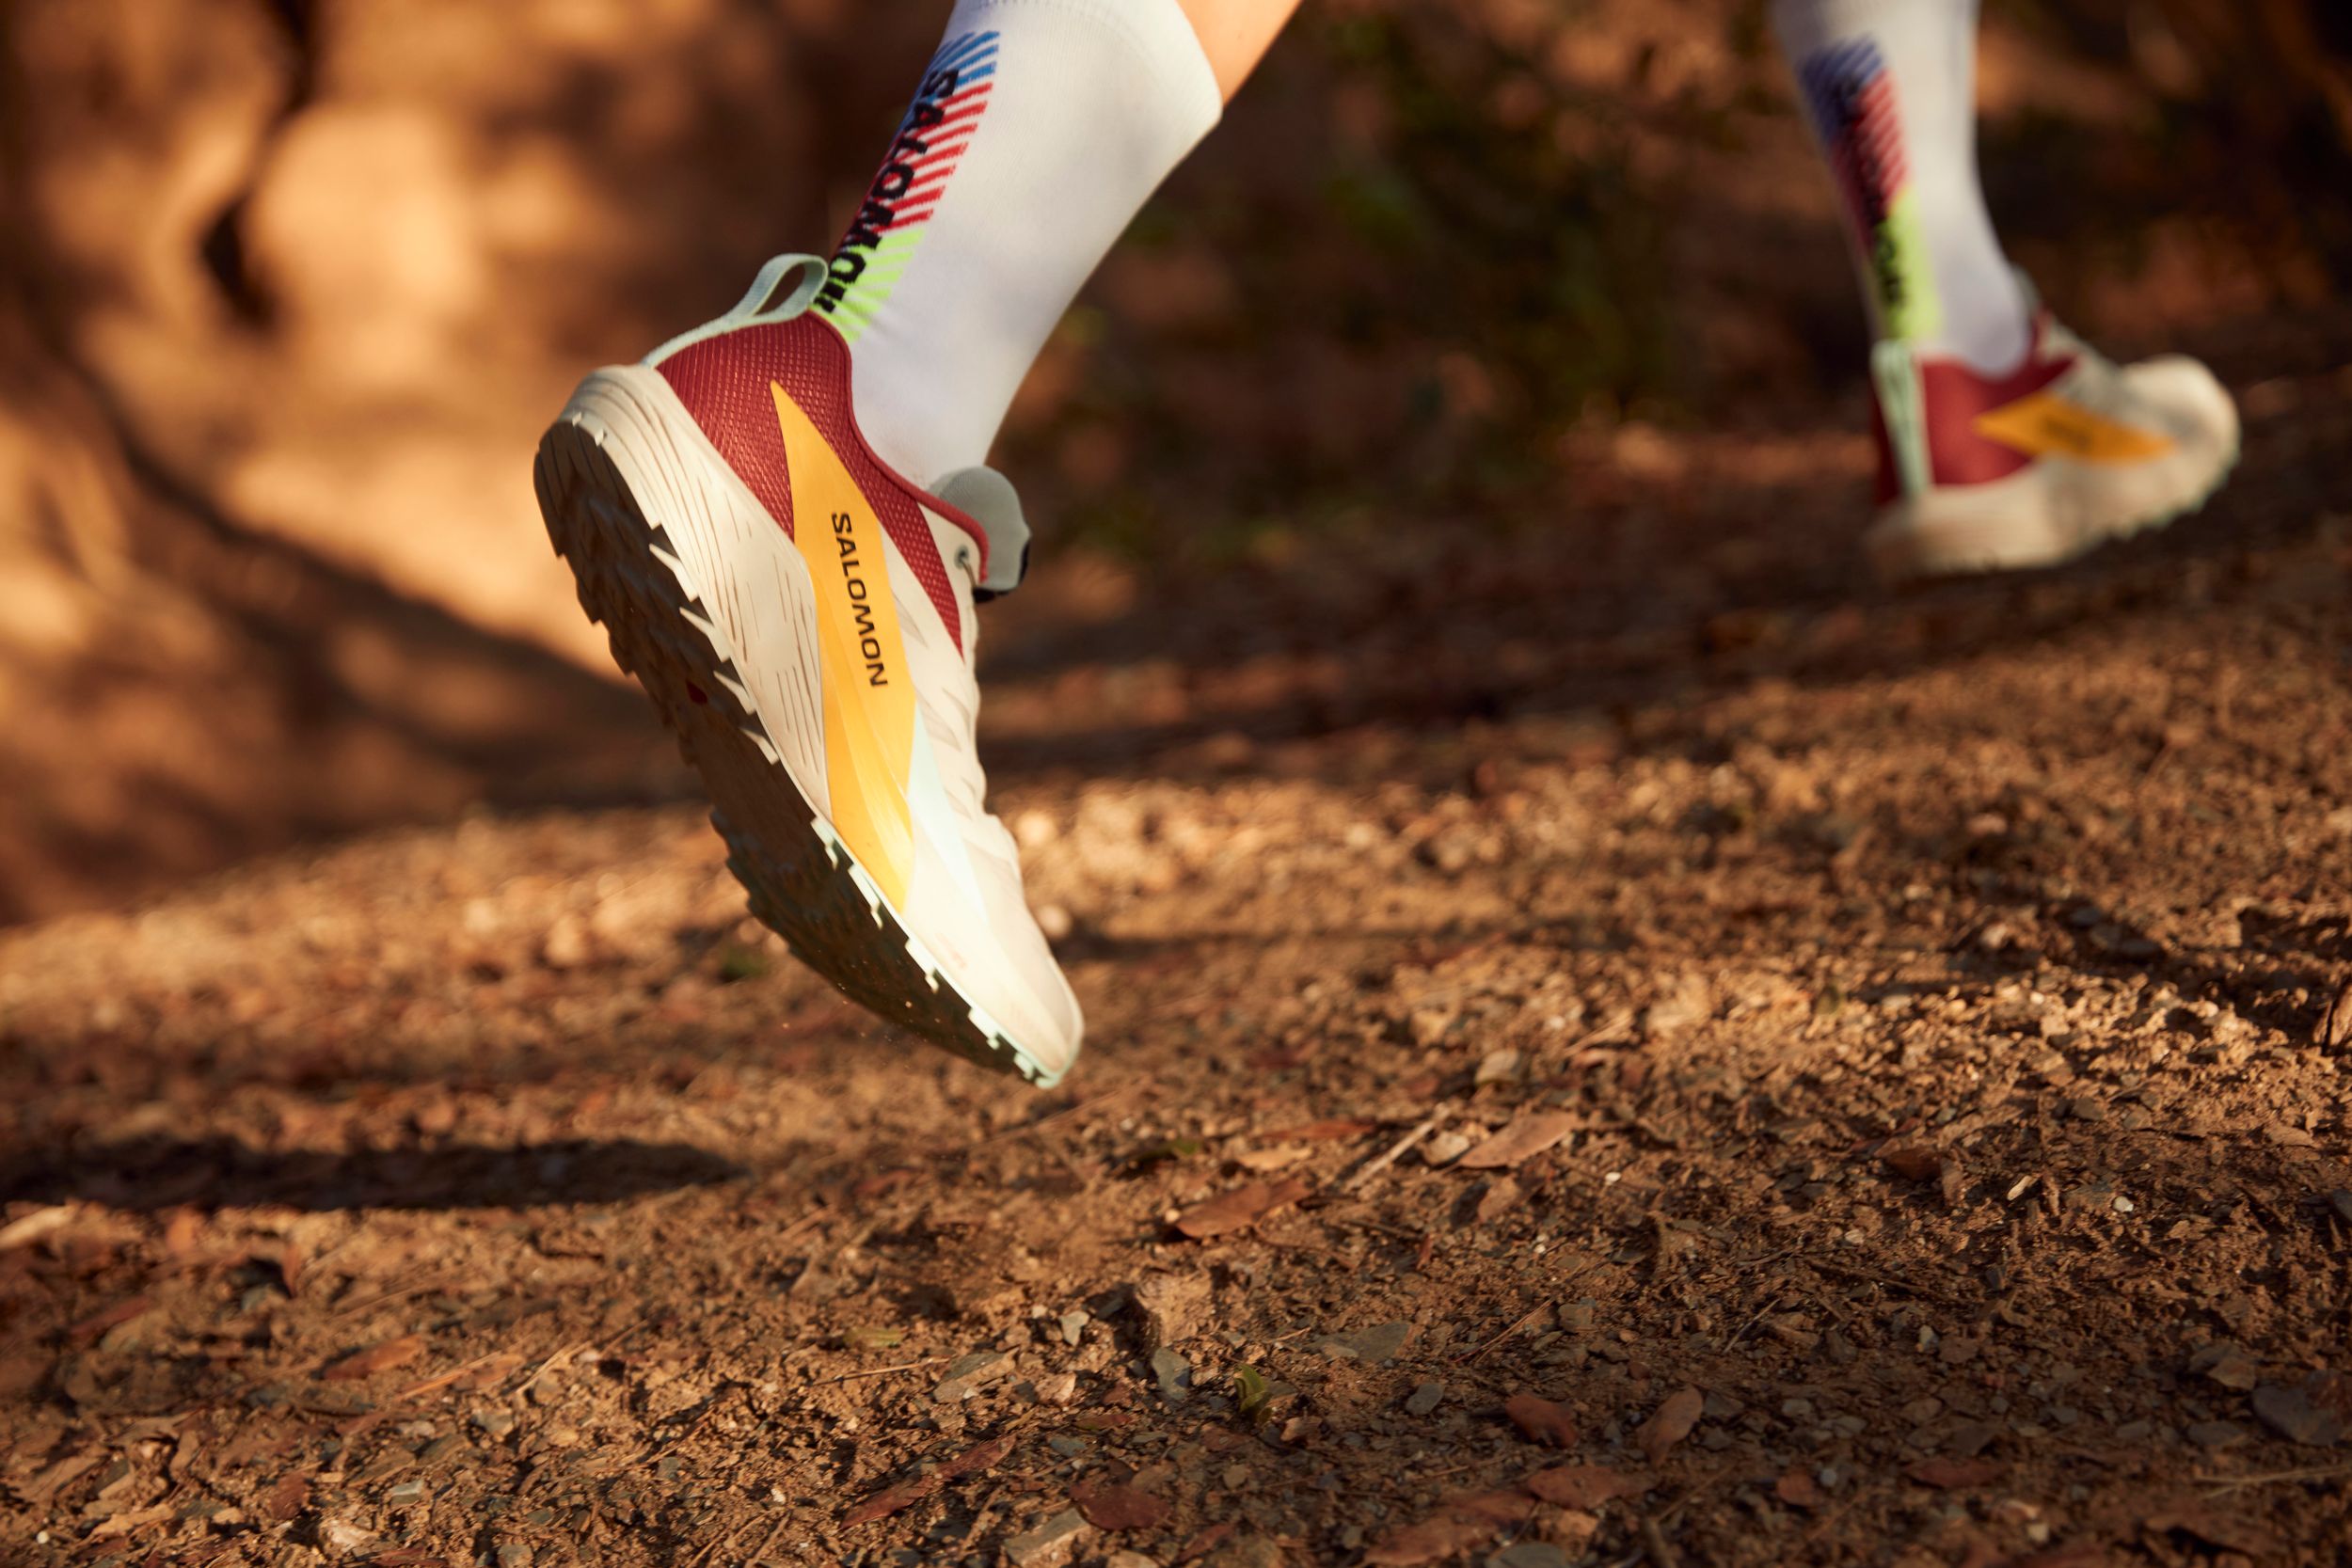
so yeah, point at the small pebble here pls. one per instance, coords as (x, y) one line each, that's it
(1444, 1148)
(1174, 1373)
(1049, 1544)
(1423, 1399)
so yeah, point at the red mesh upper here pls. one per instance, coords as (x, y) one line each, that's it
(1951, 397)
(723, 382)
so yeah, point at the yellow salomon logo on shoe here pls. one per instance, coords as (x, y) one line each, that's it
(2046, 425)
(868, 694)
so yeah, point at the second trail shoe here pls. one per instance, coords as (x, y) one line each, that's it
(803, 617)
(1982, 473)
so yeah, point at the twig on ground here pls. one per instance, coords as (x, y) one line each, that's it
(713, 1545)
(1742, 1332)
(761, 1550)
(1520, 1322)
(2273, 1478)
(548, 1366)
(398, 1293)
(447, 1378)
(1870, 1276)
(1381, 1161)
(884, 1371)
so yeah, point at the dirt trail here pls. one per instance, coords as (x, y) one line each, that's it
(1926, 1124)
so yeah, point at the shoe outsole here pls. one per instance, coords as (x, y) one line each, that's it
(802, 880)
(1904, 555)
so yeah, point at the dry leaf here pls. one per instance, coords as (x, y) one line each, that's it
(1497, 1200)
(1116, 1505)
(1584, 1487)
(1670, 1424)
(1540, 1420)
(1913, 1161)
(374, 1359)
(1276, 1157)
(123, 1523)
(113, 1317)
(1525, 1138)
(1240, 1209)
(2335, 1025)
(1948, 1474)
(285, 1499)
(1428, 1541)
(286, 1257)
(1463, 1523)
(60, 1474)
(1203, 1542)
(1799, 1490)
(1500, 1507)
(892, 1498)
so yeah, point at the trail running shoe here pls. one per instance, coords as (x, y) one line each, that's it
(803, 617)
(1980, 473)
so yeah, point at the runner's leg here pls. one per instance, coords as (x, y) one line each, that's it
(1890, 88)
(1036, 132)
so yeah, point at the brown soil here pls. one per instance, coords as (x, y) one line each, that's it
(1933, 991)
(1916, 1024)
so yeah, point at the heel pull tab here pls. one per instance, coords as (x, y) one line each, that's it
(1895, 376)
(760, 303)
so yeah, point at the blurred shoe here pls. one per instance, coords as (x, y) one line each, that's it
(2065, 452)
(803, 617)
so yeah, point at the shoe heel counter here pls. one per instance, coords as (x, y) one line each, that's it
(1906, 466)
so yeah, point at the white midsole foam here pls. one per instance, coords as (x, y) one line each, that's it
(2041, 515)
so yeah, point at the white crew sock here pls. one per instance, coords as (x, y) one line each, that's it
(1038, 130)
(1890, 87)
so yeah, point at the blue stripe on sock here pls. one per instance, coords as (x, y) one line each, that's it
(961, 49)
(1833, 76)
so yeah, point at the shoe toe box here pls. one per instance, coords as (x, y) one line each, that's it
(2190, 400)
(998, 960)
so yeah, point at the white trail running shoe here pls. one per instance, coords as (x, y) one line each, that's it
(2069, 450)
(802, 618)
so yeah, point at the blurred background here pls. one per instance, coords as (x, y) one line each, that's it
(288, 288)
